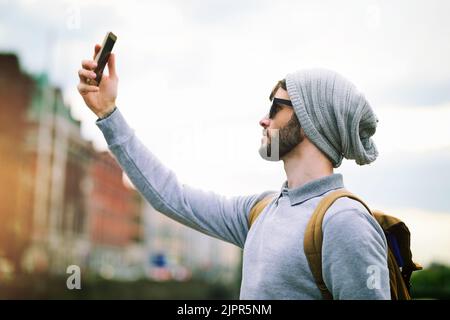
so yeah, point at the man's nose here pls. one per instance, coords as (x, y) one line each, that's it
(264, 122)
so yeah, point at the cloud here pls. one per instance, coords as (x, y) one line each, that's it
(417, 130)
(220, 12)
(193, 44)
(196, 70)
(419, 92)
(416, 180)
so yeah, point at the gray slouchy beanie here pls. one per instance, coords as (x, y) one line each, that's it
(334, 115)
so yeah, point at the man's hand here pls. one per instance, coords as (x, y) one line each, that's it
(102, 99)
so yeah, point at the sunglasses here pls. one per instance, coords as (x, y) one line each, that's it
(276, 106)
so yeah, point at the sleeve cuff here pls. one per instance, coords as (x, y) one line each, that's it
(114, 127)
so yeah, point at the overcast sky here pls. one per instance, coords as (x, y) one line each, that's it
(195, 78)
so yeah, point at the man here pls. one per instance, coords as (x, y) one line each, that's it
(317, 118)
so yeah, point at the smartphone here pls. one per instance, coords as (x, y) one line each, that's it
(102, 57)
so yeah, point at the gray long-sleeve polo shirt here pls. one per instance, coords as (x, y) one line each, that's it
(354, 252)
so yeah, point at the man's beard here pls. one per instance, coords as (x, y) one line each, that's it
(284, 139)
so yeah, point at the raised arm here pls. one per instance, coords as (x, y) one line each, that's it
(215, 215)
(222, 217)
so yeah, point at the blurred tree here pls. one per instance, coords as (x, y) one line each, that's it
(431, 283)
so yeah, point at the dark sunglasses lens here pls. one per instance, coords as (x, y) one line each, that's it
(283, 101)
(273, 110)
(276, 106)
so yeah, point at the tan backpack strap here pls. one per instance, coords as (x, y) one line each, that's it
(312, 242)
(258, 208)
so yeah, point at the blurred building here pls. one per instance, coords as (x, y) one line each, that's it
(62, 202)
(115, 227)
(58, 160)
(16, 90)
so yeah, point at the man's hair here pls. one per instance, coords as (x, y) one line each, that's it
(282, 84)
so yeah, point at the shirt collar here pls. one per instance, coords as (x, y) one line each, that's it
(312, 189)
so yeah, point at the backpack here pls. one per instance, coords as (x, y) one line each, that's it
(399, 258)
